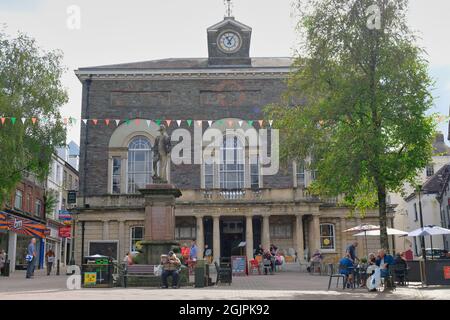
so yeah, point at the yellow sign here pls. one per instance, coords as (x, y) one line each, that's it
(326, 241)
(90, 278)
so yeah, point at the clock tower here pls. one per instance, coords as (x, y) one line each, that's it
(229, 43)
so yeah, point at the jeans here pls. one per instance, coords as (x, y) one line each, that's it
(167, 273)
(30, 267)
(49, 267)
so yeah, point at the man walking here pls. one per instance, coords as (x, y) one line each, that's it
(31, 258)
(351, 251)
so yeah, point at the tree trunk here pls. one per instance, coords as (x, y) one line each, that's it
(382, 209)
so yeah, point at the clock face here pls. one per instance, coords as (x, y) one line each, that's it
(229, 42)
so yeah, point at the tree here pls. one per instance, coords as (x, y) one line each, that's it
(30, 88)
(356, 100)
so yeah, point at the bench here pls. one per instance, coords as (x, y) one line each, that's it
(137, 270)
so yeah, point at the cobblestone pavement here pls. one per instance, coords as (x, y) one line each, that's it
(283, 285)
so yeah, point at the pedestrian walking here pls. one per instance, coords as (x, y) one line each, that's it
(2, 260)
(50, 256)
(31, 258)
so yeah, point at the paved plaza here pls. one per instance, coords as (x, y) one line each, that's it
(289, 284)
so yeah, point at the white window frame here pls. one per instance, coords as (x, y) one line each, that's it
(333, 236)
(115, 175)
(238, 152)
(150, 159)
(131, 236)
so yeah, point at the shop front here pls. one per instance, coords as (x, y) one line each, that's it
(16, 233)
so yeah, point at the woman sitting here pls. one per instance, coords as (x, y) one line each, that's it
(316, 259)
(268, 260)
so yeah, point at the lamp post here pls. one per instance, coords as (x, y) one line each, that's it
(422, 238)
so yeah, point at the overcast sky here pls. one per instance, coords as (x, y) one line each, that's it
(125, 31)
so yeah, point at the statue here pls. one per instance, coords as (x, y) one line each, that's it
(161, 154)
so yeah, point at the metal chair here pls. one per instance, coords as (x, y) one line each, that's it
(267, 266)
(337, 276)
(254, 266)
(400, 273)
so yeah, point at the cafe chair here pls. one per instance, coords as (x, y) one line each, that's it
(337, 276)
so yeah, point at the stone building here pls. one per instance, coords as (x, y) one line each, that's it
(221, 205)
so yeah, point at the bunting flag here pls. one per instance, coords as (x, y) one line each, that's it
(220, 122)
(33, 120)
(94, 121)
(13, 120)
(84, 121)
(240, 123)
(260, 123)
(209, 123)
(270, 122)
(250, 122)
(179, 122)
(3, 120)
(127, 121)
(148, 123)
(137, 121)
(117, 121)
(199, 123)
(168, 122)
(189, 122)
(72, 120)
(23, 120)
(65, 121)
(107, 122)
(230, 123)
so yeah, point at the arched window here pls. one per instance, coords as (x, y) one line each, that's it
(327, 237)
(231, 163)
(139, 163)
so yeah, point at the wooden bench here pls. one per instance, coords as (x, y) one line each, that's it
(137, 270)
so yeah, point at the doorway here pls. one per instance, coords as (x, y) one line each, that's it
(232, 232)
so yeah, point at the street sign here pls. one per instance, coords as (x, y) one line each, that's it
(64, 232)
(72, 197)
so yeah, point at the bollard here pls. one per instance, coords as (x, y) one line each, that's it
(57, 267)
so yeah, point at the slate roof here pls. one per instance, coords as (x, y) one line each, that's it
(192, 63)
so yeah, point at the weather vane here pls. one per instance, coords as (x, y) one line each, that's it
(229, 5)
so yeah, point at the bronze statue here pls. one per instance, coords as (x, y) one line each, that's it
(161, 155)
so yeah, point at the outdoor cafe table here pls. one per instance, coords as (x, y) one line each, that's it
(359, 273)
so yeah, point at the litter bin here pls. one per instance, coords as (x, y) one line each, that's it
(97, 272)
(200, 272)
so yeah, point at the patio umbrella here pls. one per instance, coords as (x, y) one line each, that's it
(390, 232)
(429, 230)
(364, 228)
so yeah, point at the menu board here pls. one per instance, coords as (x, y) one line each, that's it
(239, 265)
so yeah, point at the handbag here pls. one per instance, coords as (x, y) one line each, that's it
(29, 258)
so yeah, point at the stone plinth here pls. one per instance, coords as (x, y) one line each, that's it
(159, 235)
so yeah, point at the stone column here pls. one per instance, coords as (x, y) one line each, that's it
(316, 232)
(216, 238)
(344, 236)
(200, 237)
(265, 233)
(299, 237)
(105, 229)
(249, 237)
(122, 247)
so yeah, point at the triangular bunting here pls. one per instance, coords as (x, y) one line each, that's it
(127, 121)
(250, 122)
(23, 120)
(65, 121)
(220, 122)
(137, 121)
(168, 122)
(148, 123)
(158, 122)
(107, 122)
(199, 123)
(240, 123)
(117, 121)
(72, 120)
(33, 120)
(179, 122)
(230, 123)
(209, 123)
(3, 120)
(260, 123)
(189, 122)
(94, 121)
(13, 120)
(270, 122)
(84, 121)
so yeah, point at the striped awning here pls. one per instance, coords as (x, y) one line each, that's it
(3, 221)
(22, 225)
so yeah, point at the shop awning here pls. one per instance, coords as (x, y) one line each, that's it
(3, 221)
(22, 225)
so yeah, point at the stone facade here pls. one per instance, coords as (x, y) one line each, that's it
(277, 210)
